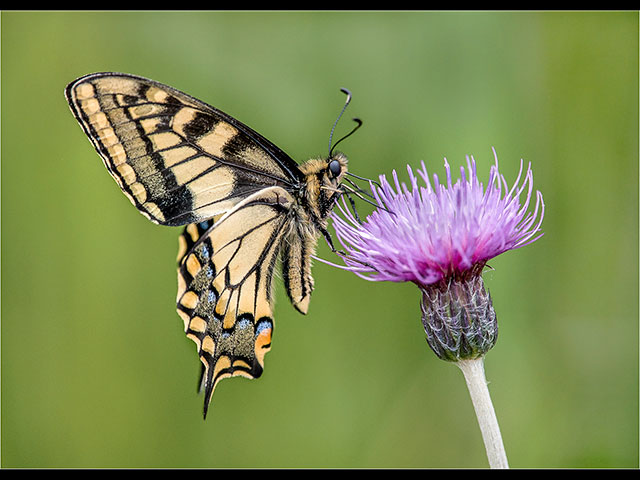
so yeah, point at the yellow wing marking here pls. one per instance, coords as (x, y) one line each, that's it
(214, 141)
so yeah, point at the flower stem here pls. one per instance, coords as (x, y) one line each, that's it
(473, 371)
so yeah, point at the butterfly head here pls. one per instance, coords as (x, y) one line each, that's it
(334, 171)
(336, 168)
(321, 187)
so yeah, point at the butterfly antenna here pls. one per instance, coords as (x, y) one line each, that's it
(359, 124)
(346, 103)
(357, 120)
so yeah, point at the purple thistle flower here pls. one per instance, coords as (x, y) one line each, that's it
(440, 237)
(425, 234)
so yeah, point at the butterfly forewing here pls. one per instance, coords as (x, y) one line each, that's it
(178, 160)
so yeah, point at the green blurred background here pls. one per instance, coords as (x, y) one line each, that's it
(96, 369)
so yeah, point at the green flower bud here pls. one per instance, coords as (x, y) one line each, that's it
(459, 318)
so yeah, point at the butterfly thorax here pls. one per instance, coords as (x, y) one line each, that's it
(320, 190)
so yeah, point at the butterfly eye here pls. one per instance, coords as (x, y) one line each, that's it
(335, 168)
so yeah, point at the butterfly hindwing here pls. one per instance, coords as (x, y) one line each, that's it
(224, 285)
(176, 158)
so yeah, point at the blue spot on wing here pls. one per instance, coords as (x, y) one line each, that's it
(243, 323)
(262, 326)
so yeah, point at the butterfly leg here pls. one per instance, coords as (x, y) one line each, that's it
(329, 239)
(353, 207)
